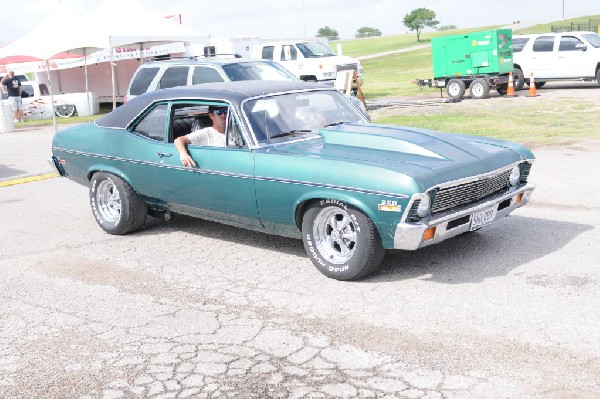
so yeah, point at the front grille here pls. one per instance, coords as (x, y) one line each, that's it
(347, 67)
(463, 194)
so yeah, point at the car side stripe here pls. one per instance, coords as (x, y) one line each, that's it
(236, 175)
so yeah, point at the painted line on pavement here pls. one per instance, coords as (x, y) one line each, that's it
(27, 179)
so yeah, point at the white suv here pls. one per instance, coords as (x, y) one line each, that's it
(558, 56)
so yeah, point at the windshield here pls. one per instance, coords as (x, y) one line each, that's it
(314, 50)
(593, 38)
(258, 70)
(281, 118)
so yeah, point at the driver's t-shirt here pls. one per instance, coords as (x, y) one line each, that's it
(207, 137)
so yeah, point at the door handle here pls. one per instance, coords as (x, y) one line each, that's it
(163, 154)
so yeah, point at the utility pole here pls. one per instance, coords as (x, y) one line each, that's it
(304, 23)
(563, 9)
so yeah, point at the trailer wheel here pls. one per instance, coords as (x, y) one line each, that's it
(456, 88)
(479, 89)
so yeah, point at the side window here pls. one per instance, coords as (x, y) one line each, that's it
(543, 44)
(206, 75)
(153, 124)
(173, 77)
(27, 91)
(289, 53)
(568, 43)
(267, 53)
(142, 80)
(187, 117)
(519, 43)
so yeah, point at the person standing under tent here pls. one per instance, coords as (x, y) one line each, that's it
(13, 88)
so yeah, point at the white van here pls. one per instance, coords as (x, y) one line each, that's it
(558, 56)
(309, 60)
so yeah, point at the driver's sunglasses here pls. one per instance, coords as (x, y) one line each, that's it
(220, 112)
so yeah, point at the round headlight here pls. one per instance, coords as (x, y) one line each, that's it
(515, 176)
(424, 206)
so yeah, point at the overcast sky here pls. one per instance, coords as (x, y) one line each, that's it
(299, 18)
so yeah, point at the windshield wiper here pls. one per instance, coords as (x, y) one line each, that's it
(336, 123)
(290, 133)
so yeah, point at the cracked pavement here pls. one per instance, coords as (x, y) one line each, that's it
(194, 309)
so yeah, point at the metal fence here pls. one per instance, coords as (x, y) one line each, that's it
(591, 25)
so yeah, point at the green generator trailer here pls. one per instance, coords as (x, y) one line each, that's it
(478, 61)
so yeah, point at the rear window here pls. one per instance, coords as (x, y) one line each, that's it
(518, 43)
(142, 80)
(543, 44)
(173, 77)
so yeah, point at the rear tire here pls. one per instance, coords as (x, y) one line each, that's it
(518, 79)
(117, 208)
(598, 76)
(456, 88)
(479, 89)
(341, 241)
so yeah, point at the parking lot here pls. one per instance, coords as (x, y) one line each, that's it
(191, 308)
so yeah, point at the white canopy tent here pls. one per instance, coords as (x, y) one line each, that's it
(52, 36)
(133, 25)
(114, 23)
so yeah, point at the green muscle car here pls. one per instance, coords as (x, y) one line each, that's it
(299, 161)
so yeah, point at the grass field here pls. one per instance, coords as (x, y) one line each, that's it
(538, 121)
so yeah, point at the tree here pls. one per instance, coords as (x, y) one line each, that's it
(367, 31)
(328, 33)
(420, 18)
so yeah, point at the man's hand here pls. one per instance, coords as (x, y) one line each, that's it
(187, 160)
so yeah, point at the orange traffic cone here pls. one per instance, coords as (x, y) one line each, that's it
(510, 90)
(532, 89)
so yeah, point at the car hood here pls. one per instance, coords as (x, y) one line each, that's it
(428, 157)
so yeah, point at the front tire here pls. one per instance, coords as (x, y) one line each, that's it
(117, 208)
(341, 241)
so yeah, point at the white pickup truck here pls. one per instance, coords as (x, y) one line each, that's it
(37, 102)
(309, 60)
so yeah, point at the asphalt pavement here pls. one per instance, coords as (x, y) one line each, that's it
(194, 309)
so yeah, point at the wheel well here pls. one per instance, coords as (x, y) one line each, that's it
(301, 209)
(303, 206)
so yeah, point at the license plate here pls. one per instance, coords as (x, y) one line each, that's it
(483, 217)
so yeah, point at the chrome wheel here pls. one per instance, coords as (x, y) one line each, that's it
(335, 235)
(108, 200)
(65, 110)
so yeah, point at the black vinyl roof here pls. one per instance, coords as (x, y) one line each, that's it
(234, 92)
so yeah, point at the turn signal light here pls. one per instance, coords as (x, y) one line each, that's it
(429, 234)
(518, 198)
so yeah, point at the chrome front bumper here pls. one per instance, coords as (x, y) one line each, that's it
(409, 236)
